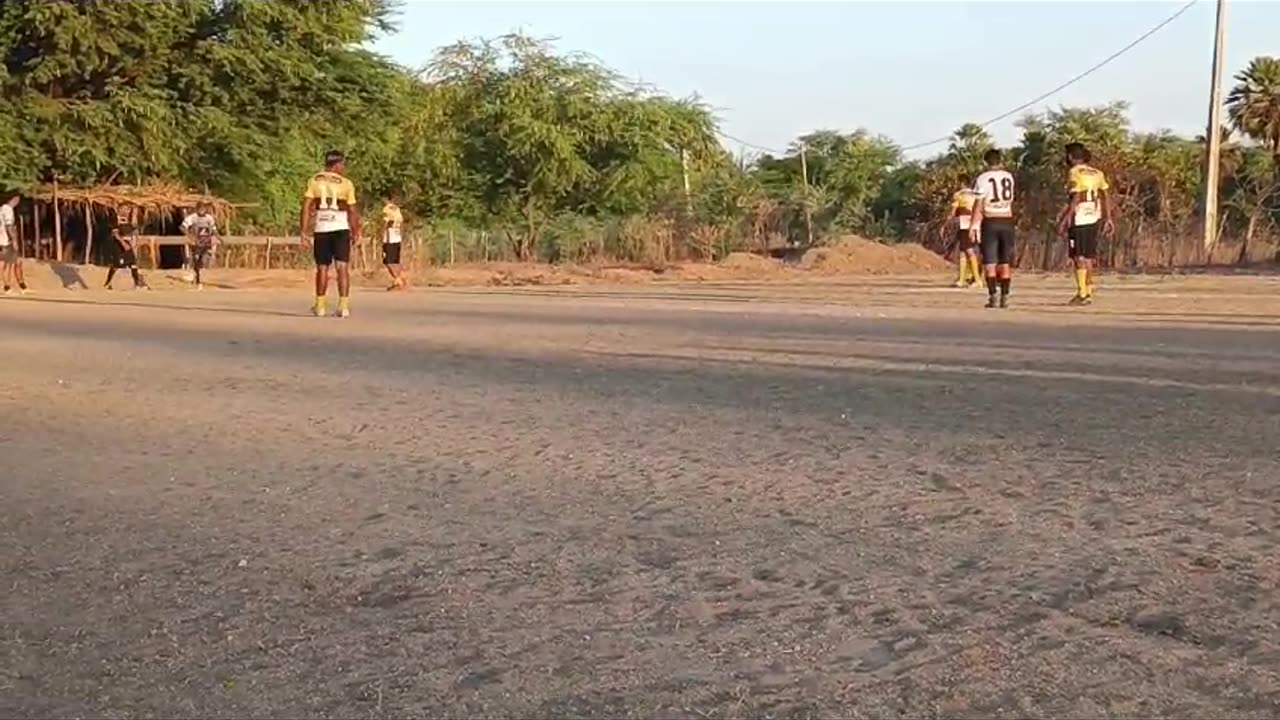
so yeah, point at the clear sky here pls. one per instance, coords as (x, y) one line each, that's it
(909, 70)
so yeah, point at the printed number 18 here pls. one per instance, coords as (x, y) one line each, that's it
(1003, 191)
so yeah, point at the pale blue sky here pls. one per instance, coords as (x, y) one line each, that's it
(909, 70)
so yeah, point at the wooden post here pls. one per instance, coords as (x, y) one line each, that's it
(88, 231)
(451, 247)
(20, 240)
(57, 223)
(267, 263)
(35, 220)
(808, 210)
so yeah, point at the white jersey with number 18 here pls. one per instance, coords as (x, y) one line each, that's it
(995, 187)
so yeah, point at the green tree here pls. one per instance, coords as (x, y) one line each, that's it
(1254, 103)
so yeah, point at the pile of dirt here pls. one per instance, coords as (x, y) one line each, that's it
(736, 266)
(852, 255)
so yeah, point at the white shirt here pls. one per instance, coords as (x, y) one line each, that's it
(995, 187)
(200, 222)
(6, 222)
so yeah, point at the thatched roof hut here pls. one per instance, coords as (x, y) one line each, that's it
(129, 204)
(149, 201)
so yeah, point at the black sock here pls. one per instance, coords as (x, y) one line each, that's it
(137, 277)
(1004, 285)
(111, 273)
(992, 284)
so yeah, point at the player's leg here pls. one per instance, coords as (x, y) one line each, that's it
(19, 275)
(131, 260)
(4, 270)
(975, 264)
(391, 260)
(117, 262)
(990, 260)
(1088, 258)
(1077, 266)
(342, 264)
(322, 253)
(197, 267)
(962, 259)
(1004, 266)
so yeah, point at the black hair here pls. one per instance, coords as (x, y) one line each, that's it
(1078, 153)
(991, 157)
(333, 157)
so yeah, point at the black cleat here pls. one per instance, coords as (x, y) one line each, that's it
(1004, 301)
(991, 301)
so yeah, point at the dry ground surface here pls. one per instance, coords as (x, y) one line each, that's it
(868, 498)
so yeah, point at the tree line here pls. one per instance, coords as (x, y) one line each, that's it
(513, 150)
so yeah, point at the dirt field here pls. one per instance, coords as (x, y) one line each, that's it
(845, 498)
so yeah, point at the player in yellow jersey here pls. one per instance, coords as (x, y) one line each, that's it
(392, 227)
(968, 264)
(331, 224)
(1087, 214)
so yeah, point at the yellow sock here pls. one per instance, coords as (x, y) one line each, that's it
(1082, 282)
(964, 268)
(320, 301)
(975, 268)
(344, 303)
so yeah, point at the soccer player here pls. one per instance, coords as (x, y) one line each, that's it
(993, 226)
(392, 225)
(962, 202)
(1089, 206)
(10, 258)
(125, 255)
(201, 229)
(331, 224)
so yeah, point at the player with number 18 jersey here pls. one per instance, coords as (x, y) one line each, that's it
(994, 226)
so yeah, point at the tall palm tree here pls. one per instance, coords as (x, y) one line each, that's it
(1254, 103)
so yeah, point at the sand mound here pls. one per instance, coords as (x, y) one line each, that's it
(854, 255)
(736, 266)
(749, 261)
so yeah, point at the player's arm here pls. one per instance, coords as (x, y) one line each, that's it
(1108, 224)
(1075, 195)
(1069, 211)
(975, 217)
(353, 216)
(307, 217)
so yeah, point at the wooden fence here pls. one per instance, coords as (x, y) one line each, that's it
(267, 242)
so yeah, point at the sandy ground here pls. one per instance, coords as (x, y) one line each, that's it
(860, 499)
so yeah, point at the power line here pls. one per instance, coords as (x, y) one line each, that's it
(946, 138)
(1068, 83)
(753, 146)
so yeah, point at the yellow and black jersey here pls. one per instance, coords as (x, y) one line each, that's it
(1089, 183)
(962, 203)
(393, 221)
(333, 194)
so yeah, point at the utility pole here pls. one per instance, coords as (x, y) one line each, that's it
(1215, 132)
(804, 173)
(688, 194)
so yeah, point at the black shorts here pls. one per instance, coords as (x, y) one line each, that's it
(390, 253)
(997, 241)
(331, 247)
(963, 239)
(1082, 242)
(8, 254)
(126, 258)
